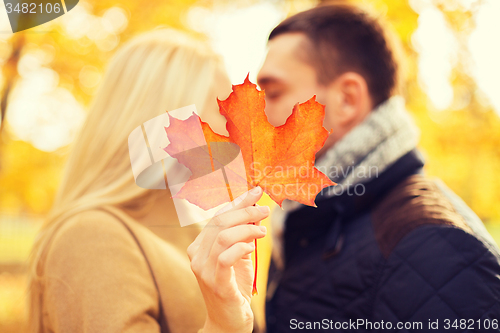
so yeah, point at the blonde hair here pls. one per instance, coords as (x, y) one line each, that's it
(155, 72)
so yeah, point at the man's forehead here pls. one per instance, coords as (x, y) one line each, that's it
(287, 43)
(283, 55)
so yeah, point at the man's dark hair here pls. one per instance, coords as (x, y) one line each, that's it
(344, 38)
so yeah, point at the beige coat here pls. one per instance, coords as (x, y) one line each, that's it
(105, 272)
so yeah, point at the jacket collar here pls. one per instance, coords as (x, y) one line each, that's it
(360, 198)
(346, 206)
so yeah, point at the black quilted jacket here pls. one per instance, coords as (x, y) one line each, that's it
(407, 256)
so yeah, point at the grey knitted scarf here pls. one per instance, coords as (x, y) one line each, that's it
(385, 135)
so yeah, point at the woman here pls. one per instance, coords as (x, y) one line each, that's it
(111, 257)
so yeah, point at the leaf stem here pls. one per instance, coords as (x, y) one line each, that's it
(254, 290)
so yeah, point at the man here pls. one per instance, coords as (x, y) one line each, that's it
(387, 248)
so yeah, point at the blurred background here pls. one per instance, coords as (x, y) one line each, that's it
(49, 74)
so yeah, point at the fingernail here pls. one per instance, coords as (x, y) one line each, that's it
(256, 190)
(264, 209)
(262, 228)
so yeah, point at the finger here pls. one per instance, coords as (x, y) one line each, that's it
(205, 240)
(248, 198)
(250, 214)
(241, 233)
(227, 220)
(228, 237)
(227, 259)
(257, 205)
(231, 219)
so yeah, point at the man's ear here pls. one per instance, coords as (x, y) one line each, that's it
(349, 98)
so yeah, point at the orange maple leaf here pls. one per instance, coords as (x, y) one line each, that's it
(278, 159)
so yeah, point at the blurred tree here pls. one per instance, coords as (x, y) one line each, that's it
(461, 143)
(76, 47)
(9, 71)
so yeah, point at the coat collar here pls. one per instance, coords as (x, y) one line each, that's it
(347, 206)
(357, 200)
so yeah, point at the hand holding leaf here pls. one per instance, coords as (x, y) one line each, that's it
(280, 160)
